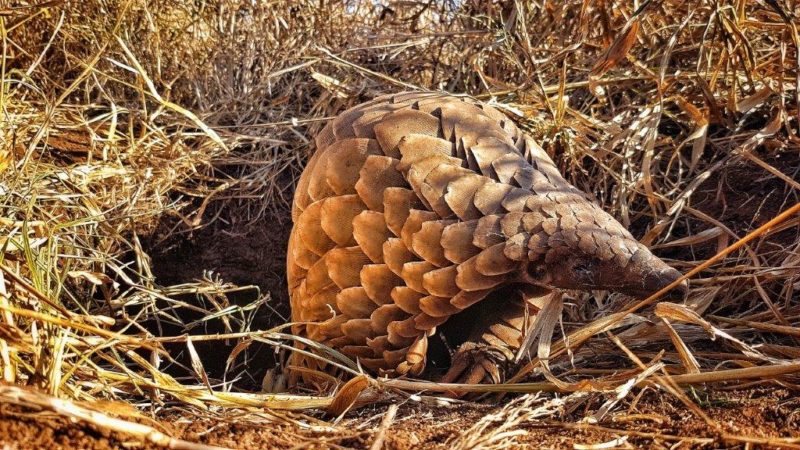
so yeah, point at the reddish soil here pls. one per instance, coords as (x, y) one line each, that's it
(25, 429)
(656, 421)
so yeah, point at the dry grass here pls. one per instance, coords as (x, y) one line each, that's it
(127, 126)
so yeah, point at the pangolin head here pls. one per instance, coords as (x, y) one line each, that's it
(590, 250)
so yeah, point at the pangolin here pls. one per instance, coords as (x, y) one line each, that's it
(428, 232)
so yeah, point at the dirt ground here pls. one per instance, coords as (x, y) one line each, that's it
(736, 419)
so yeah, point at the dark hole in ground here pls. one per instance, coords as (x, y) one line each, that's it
(248, 254)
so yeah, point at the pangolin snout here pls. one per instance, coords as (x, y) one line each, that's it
(657, 280)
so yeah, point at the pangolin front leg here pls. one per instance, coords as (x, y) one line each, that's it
(498, 326)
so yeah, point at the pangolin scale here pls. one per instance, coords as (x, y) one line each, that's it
(426, 222)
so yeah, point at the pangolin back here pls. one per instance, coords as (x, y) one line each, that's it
(416, 206)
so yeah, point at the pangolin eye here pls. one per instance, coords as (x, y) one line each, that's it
(537, 271)
(583, 269)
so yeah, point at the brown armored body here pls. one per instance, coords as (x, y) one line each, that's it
(428, 231)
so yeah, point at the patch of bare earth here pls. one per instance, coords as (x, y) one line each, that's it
(25, 429)
(734, 420)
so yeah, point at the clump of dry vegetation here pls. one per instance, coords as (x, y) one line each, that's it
(132, 129)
